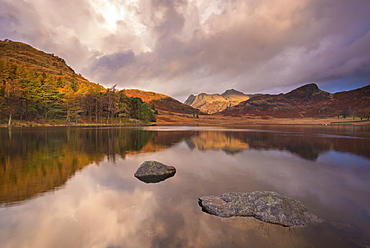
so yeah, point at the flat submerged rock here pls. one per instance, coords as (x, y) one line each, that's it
(154, 172)
(266, 206)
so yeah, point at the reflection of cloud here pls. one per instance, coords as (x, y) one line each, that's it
(217, 141)
(106, 206)
(84, 214)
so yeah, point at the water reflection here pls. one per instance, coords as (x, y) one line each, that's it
(99, 202)
(37, 160)
(52, 155)
(209, 140)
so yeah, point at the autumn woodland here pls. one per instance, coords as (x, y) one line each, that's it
(36, 87)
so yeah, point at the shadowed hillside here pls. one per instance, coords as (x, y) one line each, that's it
(306, 101)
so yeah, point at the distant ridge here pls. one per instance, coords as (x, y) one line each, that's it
(305, 101)
(214, 103)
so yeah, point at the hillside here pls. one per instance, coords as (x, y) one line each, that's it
(214, 103)
(29, 59)
(162, 103)
(305, 101)
(40, 88)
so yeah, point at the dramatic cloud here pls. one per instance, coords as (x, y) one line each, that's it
(188, 46)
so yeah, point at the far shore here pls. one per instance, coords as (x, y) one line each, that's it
(219, 120)
(206, 120)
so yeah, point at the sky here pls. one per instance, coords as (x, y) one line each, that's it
(183, 47)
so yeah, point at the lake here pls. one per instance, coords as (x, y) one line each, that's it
(75, 186)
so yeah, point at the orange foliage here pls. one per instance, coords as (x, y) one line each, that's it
(146, 96)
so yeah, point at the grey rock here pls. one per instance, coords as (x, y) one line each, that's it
(266, 206)
(154, 172)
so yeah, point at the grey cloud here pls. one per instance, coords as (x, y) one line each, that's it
(112, 63)
(253, 46)
(53, 26)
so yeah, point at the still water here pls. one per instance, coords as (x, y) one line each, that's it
(75, 187)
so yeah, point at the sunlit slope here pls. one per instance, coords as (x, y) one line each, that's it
(29, 59)
(162, 103)
(213, 103)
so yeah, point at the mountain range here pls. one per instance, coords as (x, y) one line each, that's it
(19, 61)
(306, 101)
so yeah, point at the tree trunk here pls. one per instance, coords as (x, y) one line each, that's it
(10, 119)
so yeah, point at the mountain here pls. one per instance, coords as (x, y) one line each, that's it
(37, 87)
(28, 59)
(305, 101)
(162, 103)
(213, 103)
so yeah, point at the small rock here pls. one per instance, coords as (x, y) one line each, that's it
(154, 172)
(266, 206)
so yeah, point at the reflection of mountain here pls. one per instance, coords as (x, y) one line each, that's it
(162, 140)
(306, 145)
(38, 160)
(217, 141)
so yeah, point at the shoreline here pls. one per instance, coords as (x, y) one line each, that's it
(206, 120)
(218, 120)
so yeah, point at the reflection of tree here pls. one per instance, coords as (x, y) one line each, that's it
(109, 141)
(38, 160)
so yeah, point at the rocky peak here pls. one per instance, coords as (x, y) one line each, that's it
(190, 100)
(232, 92)
(307, 91)
(213, 103)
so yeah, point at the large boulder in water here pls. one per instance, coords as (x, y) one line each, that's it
(154, 172)
(266, 206)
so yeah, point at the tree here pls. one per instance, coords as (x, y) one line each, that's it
(140, 110)
(12, 93)
(363, 113)
(50, 101)
(122, 105)
(345, 113)
(110, 98)
(88, 102)
(71, 103)
(74, 84)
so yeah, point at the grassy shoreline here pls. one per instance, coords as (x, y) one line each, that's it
(219, 120)
(205, 120)
(129, 123)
